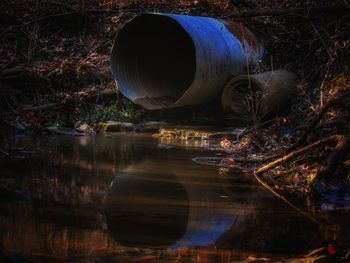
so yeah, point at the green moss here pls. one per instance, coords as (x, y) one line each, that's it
(120, 110)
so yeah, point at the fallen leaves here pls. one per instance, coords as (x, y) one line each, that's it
(86, 65)
(225, 144)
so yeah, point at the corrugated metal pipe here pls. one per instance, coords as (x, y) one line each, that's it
(253, 98)
(166, 60)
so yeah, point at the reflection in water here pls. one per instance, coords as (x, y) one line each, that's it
(196, 207)
(144, 213)
(121, 198)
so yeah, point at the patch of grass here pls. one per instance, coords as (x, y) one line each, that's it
(120, 110)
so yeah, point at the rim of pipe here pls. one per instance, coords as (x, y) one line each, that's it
(148, 59)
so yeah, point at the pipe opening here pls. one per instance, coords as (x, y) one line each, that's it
(153, 60)
(243, 101)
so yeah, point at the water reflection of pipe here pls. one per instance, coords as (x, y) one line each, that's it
(176, 199)
(166, 198)
(146, 209)
(178, 204)
(209, 216)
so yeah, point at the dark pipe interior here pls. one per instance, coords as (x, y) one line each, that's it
(158, 52)
(137, 214)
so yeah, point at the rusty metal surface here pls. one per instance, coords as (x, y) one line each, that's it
(252, 46)
(192, 59)
(254, 97)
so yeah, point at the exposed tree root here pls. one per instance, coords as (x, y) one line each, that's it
(337, 156)
(333, 102)
(268, 187)
(293, 154)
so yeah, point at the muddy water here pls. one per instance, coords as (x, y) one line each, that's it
(128, 198)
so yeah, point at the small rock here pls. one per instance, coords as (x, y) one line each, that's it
(85, 128)
(165, 146)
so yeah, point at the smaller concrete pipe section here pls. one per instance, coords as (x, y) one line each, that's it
(252, 98)
(166, 60)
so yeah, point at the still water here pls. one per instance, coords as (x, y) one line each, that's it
(128, 198)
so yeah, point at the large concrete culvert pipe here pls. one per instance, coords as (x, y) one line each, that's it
(165, 60)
